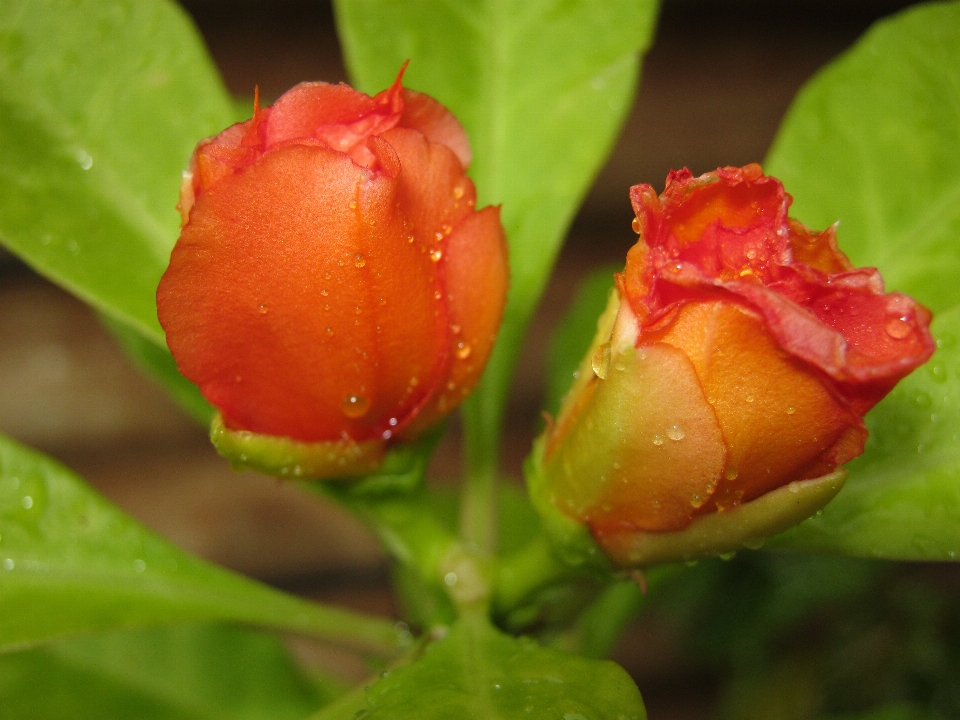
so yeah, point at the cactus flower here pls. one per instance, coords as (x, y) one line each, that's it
(732, 370)
(333, 283)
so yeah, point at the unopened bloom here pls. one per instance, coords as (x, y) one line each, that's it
(733, 368)
(333, 282)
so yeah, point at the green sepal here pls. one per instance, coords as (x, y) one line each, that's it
(571, 540)
(748, 525)
(287, 458)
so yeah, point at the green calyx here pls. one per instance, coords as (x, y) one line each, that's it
(720, 533)
(288, 458)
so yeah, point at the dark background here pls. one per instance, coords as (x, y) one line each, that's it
(719, 78)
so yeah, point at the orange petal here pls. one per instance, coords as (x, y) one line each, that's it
(296, 303)
(777, 417)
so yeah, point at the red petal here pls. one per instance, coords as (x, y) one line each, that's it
(421, 112)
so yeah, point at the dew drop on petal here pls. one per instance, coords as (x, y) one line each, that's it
(354, 406)
(353, 205)
(636, 225)
(435, 255)
(463, 350)
(898, 328)
(262, 309)
(359, 260)
(675, 432)
(658, 440)
(791, 410)
(324, 292)
(601, 361)
(749, 398)
(696, 501)
(731, 474)
(329, 332)
(457, 192)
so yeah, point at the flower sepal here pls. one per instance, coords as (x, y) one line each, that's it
(292, 459)
(719, 534)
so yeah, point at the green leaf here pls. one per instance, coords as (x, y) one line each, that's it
(476, 672)
(194, 672)
(874, 142)
(902, 499)
(572, 336)
(101, 105)
(542, 88)
(71, 563)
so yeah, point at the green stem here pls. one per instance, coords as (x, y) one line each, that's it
(478, 509)
(522, 574)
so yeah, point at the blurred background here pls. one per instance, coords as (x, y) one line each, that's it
(762, 636)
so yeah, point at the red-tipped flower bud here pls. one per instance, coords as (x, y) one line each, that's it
(333, 282)
(729, 378)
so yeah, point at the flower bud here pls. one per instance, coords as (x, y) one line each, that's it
(729, 376)
(334, 286)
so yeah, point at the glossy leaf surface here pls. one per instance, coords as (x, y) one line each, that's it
(193, 672)
(477, 673)
(71, 563)
(874, 142)
(100, 107)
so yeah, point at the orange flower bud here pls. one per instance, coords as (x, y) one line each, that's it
(732, 369)
(333, 282)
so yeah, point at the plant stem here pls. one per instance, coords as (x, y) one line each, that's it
(479, 502)
(520, 575)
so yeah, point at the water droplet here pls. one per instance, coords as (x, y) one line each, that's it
(754, 543)
(898, 328)
(324, 292)
(793, 487)
(696, 501)
(636, 226)
(414, 382)
(675, 432)
(356, 310)
(353, 205)
(451, 386)
(601, 361)
(8, 564)
(410, 238)
(446, 229)
(455, 329)
(262, 309)
(27, 502)
(749, 398)
(923, 399)
(658, 440)
(438, 236)
(354, 406)
(359, 260)
(751, 254)
(938, 372)
(84, 159)
(329, 331)
(731, 474)
(727, 556)
(437, 295)
(436, 254)
(463, 350)
(791, 410)
(450, 579)
(381, 301)
(386, 434)
(457, 192)
(139, 565)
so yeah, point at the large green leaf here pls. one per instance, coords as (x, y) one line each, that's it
(478, 673)
(902, 499)
(542, 87)
(101, 104)
(874, 141)
(194, 672)
(72, 563)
